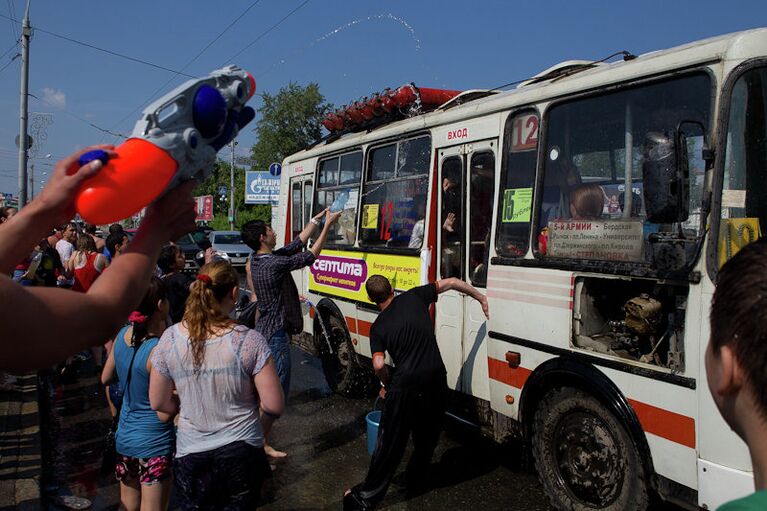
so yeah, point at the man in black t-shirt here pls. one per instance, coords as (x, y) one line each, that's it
(415, 390)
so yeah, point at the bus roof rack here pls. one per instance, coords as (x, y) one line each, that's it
(467, 96)
(560, 70)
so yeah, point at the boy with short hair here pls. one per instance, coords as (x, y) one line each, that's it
(736, 360)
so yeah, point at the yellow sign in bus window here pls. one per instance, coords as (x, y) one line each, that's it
(517, 205)
(370, 216)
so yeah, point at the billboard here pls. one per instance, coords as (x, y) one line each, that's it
(204, 208)
(261, 188)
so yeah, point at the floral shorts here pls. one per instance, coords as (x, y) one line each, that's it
(148, 470)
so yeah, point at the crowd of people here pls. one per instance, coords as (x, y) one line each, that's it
(195, 393)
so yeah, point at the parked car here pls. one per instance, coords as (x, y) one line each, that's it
(188, 245)
(229, 243)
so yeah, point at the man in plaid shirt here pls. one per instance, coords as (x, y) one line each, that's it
(276, 294)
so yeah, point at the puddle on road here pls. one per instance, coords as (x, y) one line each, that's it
(74, 428)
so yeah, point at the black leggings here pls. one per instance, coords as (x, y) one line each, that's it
(420, 412)
(227, 478)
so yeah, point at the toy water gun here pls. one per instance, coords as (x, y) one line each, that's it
(175, 140)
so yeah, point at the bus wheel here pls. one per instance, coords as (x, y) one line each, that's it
(343, 372)
(585, 458)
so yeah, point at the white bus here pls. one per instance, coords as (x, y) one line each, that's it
(599, 314)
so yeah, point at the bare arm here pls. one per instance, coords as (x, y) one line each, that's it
(163, 416)
(380, 369)
(161, 396)
(272, 403)
(330, 219)
(310, 227)
(462, 287)
(26, 313)
(109, 373)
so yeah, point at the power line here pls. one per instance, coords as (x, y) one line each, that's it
(12, 12)
(81, 119)
(262, 35)
(9, 49)
(162, 87)
(104, 50)
(9, 63)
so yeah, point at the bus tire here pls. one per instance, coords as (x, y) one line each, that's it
(343, 372)
(585, 458)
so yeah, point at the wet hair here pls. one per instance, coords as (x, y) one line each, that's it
(739, 315)
(203, 312)
(89, 228)
(588, 201)
(378, 288)
(167, 260)
(148, 307)
(251, 233)
(86, 244)
(113, 240)
(116, 229)
(68, 224)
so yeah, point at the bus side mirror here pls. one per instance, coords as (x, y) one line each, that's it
(665, 175)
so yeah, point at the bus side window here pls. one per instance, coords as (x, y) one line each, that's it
(394, 194)
(338, 183)
(744, 191)
(517, 183)
(481, 191)
(296, 208)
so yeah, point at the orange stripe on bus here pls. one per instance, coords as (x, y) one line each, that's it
(363, 328)
(352, 324)
(665, 424)
(499, 370)
(672, 426)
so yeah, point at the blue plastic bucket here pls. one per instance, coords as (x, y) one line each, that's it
(373, 419)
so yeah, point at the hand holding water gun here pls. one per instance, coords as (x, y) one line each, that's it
(175, 140)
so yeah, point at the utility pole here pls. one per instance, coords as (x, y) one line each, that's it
(23, 143)
(231, 190)
(31, 182)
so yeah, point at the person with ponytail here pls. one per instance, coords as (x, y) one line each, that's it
(144, 439)
(228, 396)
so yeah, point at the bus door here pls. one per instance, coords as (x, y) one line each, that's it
(465, 211)
(301, 192)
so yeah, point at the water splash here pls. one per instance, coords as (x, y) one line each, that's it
(341, 28)
(388, 16)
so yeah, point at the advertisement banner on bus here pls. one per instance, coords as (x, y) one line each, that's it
(343, 274)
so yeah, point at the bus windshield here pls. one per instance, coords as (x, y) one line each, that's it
(592, 202)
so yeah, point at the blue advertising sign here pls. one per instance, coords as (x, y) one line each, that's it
(261, 188)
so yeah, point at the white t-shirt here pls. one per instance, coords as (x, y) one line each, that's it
(219, 405)
(65, 249)
(416, 237)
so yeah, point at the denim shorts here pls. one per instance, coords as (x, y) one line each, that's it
(279, 345)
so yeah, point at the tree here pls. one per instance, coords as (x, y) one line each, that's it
(288, 122)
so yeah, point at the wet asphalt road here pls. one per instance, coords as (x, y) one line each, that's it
(325, 437)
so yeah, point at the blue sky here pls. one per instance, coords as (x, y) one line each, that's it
(350, 48)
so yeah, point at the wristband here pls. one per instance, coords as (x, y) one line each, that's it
(315, 221)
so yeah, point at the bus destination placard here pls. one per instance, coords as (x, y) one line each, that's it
(611, 240)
